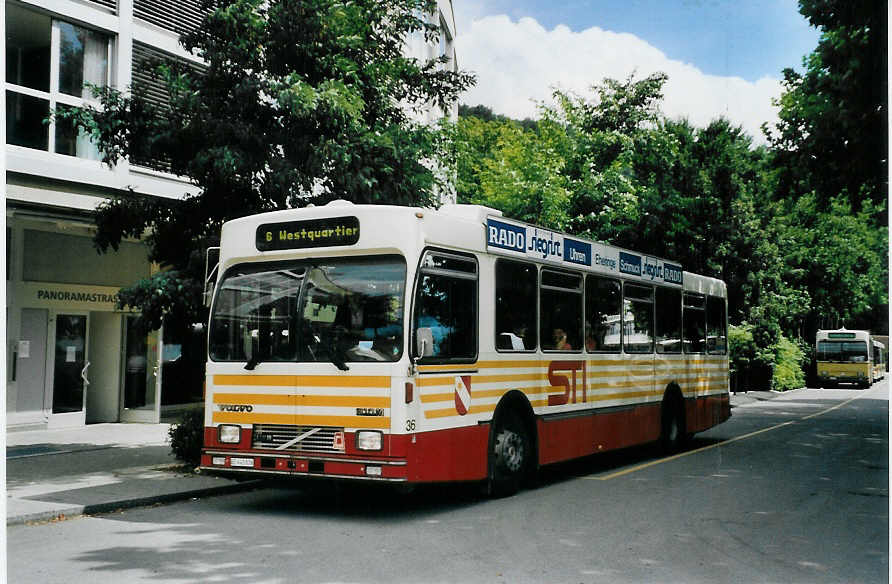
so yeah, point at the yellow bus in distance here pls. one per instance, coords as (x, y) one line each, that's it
(848, 356)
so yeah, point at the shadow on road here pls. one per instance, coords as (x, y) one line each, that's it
(373, 501)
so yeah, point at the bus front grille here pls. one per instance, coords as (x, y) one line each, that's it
(316, 439)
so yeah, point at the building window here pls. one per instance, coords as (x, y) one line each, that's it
(48, 63)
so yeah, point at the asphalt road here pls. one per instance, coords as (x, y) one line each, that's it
(790, 490)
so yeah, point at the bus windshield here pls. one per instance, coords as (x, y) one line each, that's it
(336, 311)
(842, 351)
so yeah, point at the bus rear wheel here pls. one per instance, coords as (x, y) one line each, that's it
(510, 455)
(672, 427)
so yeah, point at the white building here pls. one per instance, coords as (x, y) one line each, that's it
(71, 357)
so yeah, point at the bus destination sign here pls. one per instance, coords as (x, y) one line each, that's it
(841, 336)
(330, 231)
(529, 241)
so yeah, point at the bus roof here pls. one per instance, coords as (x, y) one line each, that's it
(344, 228)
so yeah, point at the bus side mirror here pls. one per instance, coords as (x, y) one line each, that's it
(424, 339)
(210, 273)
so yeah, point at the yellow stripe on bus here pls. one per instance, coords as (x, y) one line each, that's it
(448, 381)
(526, 364)
(591, 389)
(303, 380)
(338, 421)
(680, 365)
(268, 399)
(591, 397)
(486, 408)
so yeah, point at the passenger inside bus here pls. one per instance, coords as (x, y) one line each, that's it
(560, 342)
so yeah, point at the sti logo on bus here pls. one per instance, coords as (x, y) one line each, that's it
(629, 264)
(506, 236)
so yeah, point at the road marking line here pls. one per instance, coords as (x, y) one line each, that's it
(636, 468)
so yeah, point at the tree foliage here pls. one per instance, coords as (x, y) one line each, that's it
(796, 229)
(830, 155)
(298, 102)
(498, 160)
(832, 134)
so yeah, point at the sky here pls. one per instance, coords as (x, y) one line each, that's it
(723, 57)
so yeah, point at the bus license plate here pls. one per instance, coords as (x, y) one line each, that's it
(243, 462)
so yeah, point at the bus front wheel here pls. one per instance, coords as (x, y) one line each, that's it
(510, 455)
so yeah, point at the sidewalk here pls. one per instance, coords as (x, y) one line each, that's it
(743, 398)
(64, 473)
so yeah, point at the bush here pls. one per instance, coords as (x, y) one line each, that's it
(788, 372)
(777, 367)
(750, 365)
(187, 437)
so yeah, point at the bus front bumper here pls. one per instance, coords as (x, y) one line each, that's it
(261, 464)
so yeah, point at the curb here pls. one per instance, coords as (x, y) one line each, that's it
(75, 511)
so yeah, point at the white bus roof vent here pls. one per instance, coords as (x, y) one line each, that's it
(476, 213)
(339, 203)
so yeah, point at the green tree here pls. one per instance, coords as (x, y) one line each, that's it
(299, 102)
(603, 134)
(830, 154)
(838, 256)
(474, 141)
(487, 115)
(832, 136)
(530, 163)
(506, 165)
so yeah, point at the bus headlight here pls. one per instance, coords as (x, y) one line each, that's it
(368, 440)
(229, 433)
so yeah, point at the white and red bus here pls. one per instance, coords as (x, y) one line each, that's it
(415, 345)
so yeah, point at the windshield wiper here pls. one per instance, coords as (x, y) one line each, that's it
(338, 357)
(253, 362)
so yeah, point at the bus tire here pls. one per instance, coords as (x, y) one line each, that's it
(673, 432)
(510, 455)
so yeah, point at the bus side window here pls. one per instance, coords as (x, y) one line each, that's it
(515, 309)
(638, 318)
(694, 318)
(716, 337)
(603, 306)
(560, 312)
(446, 307)
(668, 320)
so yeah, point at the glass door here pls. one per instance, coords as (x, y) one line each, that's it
(139, 401)
(70, 370)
